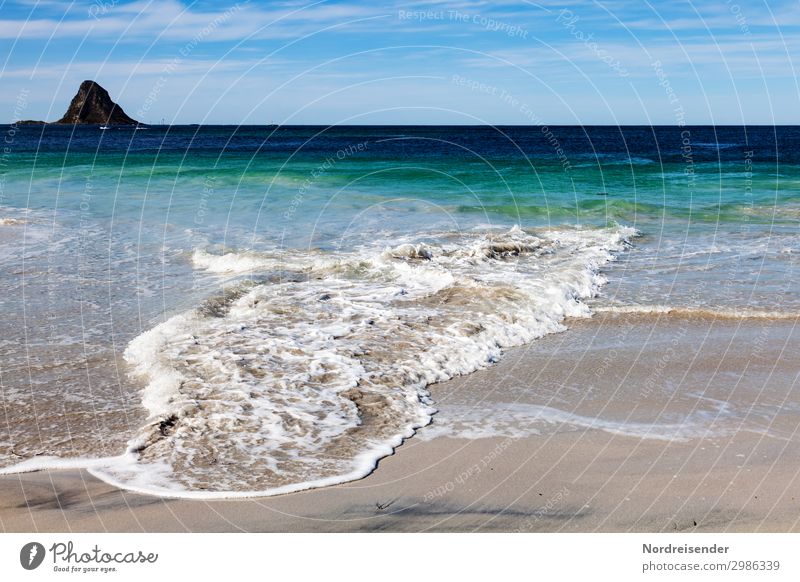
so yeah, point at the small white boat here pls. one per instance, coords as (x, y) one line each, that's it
(103, 127)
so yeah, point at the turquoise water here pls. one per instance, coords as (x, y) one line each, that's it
(281, 297)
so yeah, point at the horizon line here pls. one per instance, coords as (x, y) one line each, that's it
(37, 123)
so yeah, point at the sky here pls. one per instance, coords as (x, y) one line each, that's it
(428, 62)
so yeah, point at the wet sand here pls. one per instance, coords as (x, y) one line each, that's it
(734, 377)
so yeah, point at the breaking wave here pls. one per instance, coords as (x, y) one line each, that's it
(316, 366)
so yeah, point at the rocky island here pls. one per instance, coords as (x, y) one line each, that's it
(92, 105)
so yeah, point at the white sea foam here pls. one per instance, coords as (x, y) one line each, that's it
(716, 312)
(232, 262)
(43, 462)
(309, 378)
(520, 420)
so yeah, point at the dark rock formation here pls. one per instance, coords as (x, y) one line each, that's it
(93, 105)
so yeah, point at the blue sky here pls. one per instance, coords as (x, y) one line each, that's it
(499, 62)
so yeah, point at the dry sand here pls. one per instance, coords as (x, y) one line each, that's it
(738, 376)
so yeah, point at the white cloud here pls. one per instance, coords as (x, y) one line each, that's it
(143, 20)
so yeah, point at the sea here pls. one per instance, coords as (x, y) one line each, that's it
(222, 311)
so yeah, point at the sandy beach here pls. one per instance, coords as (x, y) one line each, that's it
(689, 424)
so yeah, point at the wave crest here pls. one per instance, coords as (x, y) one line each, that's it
(307, 380)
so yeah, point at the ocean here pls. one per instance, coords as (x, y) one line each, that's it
(225, 311)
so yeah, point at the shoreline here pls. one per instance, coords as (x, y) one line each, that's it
(566, 478)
